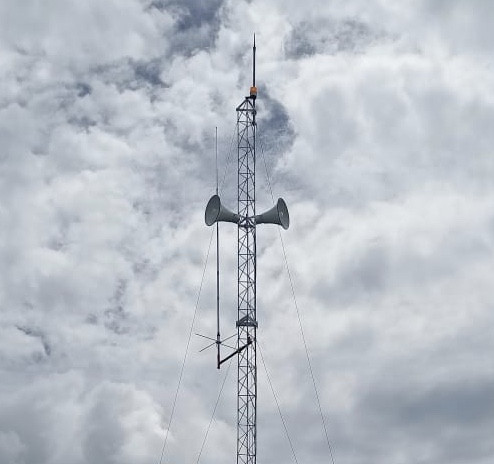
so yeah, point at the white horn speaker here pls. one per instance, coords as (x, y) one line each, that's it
(278, 214)
(216, 212)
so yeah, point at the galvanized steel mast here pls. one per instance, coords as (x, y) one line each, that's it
(246, 220)
(247, 320)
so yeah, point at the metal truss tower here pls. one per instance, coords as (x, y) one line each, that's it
(246, 220)
(247, 321)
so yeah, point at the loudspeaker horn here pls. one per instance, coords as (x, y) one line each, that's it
(278, 214)
(216, 212)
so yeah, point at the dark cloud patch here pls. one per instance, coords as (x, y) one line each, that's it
(130, 74)
(197, 24)
(91, 319)
(330, 37)
(148, 72)
(83, 89)
(197, 13)
(83, 122)
(443, 418)
(361, 277)
(465, 403)
(127, 74)
(116, 316)
(275, 130)
(37, 334)
(274, 120)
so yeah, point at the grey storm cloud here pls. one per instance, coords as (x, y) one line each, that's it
(328, 36)
(374, 123)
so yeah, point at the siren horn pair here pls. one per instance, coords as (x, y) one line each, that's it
(216, 212)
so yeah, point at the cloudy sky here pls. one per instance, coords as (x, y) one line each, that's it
(376, 121)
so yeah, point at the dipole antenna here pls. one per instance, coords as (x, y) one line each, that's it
(246, 220)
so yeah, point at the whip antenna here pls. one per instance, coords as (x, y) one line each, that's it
(218, 337)
(254, 63)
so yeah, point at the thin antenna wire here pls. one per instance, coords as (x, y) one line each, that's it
(277, 403)
(214, 412)
(299, 316)
(195, 311)
(186, 352)
(229, 157)
(306, 350)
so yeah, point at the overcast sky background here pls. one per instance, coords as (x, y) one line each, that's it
(376, 119)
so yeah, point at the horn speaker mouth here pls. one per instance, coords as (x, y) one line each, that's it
(212, 210)
(283, 213)
(278, 214)
(216, 212)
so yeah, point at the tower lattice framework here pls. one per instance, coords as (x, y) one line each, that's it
(247, 321)
(246, 220)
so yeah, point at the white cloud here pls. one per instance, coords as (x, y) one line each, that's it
(381, 117)
(61, 418)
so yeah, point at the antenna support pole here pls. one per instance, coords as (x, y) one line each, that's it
(247, 320)
(253, 89)
(246, 221)
(254, 63)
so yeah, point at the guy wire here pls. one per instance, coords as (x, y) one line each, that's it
(298, 315)
(193, 318)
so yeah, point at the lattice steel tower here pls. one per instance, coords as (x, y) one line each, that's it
(246, 219)
(247, 321)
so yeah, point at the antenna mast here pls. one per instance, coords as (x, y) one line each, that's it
(246, 220)
(247, 262)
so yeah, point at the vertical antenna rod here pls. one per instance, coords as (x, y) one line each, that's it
(218, 337)
(254, 63)
(216, 156)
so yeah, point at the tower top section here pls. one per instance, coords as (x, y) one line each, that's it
(253, 89)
